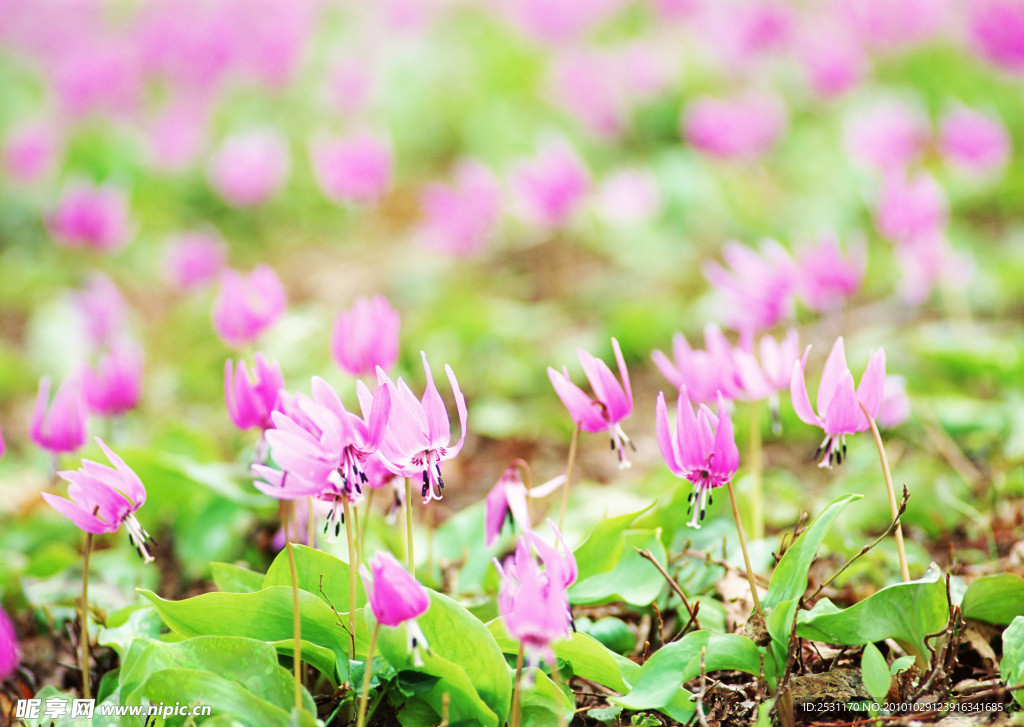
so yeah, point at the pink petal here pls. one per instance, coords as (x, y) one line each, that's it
(666, 442)
(844, 415)
(835, 366)
(798, 393)
(872, 384)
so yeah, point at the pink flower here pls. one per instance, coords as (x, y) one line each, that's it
(101, 307)
(888, 137)
(764, 376)
(926, 260)
(176, 137)
(757, 289)
(997, 32)
(395, 596)
(612, 401)
(104, 497)
(827, 277)
(252, 399)
(890, 25)
(703, 449)
(91, 216)
(65, 426)
(551, 186)
(839, 405)
(418, 433)
(911, 208)
(193, 260)
(705, 372)
(246, 306)
(114, 386)
(895, 407)
(354, 169)
(249, 167)
(555, 21)
(832, 58)
(739, 127)
(9, 656)
(974, 141)
(459, 219)
(507, 500)
(590, 87)
(366, 337)
(29, 152)
(628, 196)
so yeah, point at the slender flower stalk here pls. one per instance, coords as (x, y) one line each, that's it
(83, 640)
(743, 547)
(517, 685)
(408, 527)
(353, 566)
(367, 675)
(756, 472)
(296, 627)
(573, 446)
(893, 507)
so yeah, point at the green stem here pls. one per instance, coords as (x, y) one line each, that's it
(516, 687)
(366, 523)
(296, 628)
(84, 638)
(309, 526)
(568, 475)
(893, 507)
(367, 673)
(556, 677)
(756, 459)
(352, 569)
(408, 526)
(743, 546)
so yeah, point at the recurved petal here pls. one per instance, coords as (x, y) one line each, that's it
(727, 454)
(606, 389)
(581, 407)
(687, 432)
(460, 406)
(624, 375)
(835, 365)
(84, 520)
(667, 368)
(439, 430)
(872, 384)
(666, 442)
(798, 393)
(844, 415)
(130, 485)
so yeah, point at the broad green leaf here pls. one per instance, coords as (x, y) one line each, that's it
(321, 658)
(310, 566)
(457, 638)
(906, 612)
(901, 664)
(541, 702)
(231, 578)
(789, 579)
(143, 621)
(51, 692)
(994, 599)
(1011, 668)
(613, 633)
(779, 623)
(602, 548)
(633, 579)
(417, 713)
(875, 673)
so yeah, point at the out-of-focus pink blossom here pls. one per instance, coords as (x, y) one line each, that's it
(974, 141)
(91, 216)
(764, 376)
(887, 137)
(97, 73)
(911, 208)
(63, 426)
(246, 305)
(249, 167)
(354, 169)
(351, 85)
(9, 656)
(589, 86)
(756, 289)
(551, 186)
(997, 32)
(176, 136)
(739, 35)
(928, 260)
(832, 58)
(459, 218)
(114, 385)
(705, 372)
(827, 277)
(194, 259)
(507, 501)
(895, 408)
(555, 21)
(101, 307)
(30, 151)
(252, 399)
(628, 196)
(366, 337)
(891, 25)
(738, 127)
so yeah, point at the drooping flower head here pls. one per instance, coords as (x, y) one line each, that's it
(764, 376)
(702, 450)
(742, 127)
(839, 404)
(114, 385)
(29, 152)
(911, 208)
(101, 307)
(194, 259)
(888, 136)
(756, 289)
(507, 501)
(249, 167)
(996, 31)
(396, 598)
(252, 398)
(974, 141)
(64, 427)
(355, 169)
(827, 277)
(551, 186)
(704, 372)
(246, 305)
(104, 497)
(895, 406)
(612, 402)
(9, 656)
(460, 218)
(366, 336)
(91, 216)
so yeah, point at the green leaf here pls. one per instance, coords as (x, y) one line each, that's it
(994, 599)
(779, 623)
(541, 703)
(602, 548)
(613, 633)
(310, 565)
(51, 692)
(321, 658)
(1011, 668)
(789, 579)
(906, 612)
(633, 578)
(901, 664)
(463, 654)
(144, 621)
(231, 578)
(875, 673)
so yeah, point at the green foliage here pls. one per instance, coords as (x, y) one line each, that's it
(230, 578)
(1011, 668)
(997, 599)
(542, 701)
(633, 578)
(601, 551)
(875, 673)
(316, 570)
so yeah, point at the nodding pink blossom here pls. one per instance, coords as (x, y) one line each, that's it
(927, 260)
(612, 402)
(895, 407)
(839, 404)
(590, 87)
(827, 277)
(911, 208)
(418, 437)
(114, 385)
(104, 497)
(366, 337)
(533, 604)
(628, 196)
(175, 138)
(891, 25)
(996, 30)
(551, 186)
(396, 598)
(351, 85)
(756, 289)
(251, 399)
(249, 167)
(91, 216)
(354, 169)
(704, 372)
(29, 152)
(101, 307)
(64, 426)
(557, 21)
(702, 450)
(461, 217)
(887, 137)
(506, 502)
(764, 376)
(193, 260)
(247, 305)
(9, 655)
(974, 141)
(736, 128)
(833, 59)
(741, 35)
